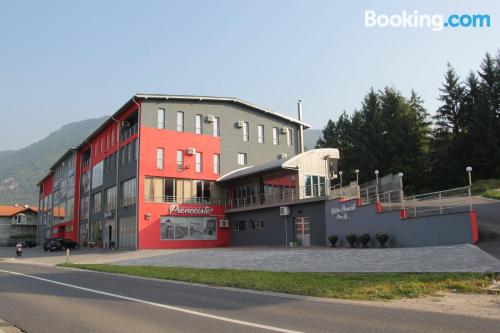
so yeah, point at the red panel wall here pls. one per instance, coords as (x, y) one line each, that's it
(171, 141)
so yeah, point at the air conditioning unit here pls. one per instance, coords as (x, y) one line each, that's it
(210, 118)
(125, 123)
(240, 124)
(284, 211)
(224, 224)
(282, 156)
(284, 130)
(191, 151)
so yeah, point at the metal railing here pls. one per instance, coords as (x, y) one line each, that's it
(442, 202)
(350, 191)
(181, 200)
(128, 132)
(282, 195)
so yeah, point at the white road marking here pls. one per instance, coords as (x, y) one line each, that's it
(164, 306)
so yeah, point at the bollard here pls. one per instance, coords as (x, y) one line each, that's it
(67, 256)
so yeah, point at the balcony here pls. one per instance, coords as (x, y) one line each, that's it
(127, 133)
(180, 200)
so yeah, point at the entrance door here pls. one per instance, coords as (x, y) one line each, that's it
(302, 231)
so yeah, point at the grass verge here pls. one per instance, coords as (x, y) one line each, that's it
(355, 286)
(492, 194)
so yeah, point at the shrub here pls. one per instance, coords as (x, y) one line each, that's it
(333, 239)
(484, 185)
(351, 239)
(364, 239)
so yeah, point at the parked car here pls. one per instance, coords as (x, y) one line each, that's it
(59, 244)
(28, 243)
(47, 243)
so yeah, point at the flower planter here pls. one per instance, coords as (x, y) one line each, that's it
(333, 240)
(351, 239)
(382, 238)
(364, 239)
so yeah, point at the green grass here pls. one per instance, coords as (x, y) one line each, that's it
(362, 286)
(493, 194)
(484, 185)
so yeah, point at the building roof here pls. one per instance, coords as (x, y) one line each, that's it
(8, 211)
(252, 170)
(141, 96)
(287, 163)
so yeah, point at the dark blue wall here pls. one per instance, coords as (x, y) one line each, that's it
(446, 229)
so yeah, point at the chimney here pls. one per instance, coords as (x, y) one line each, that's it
(301, 127)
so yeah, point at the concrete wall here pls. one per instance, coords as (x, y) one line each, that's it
(231, 137)
(273, 233)
(446, 229)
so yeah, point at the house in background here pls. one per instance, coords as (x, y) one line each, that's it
(19, 222)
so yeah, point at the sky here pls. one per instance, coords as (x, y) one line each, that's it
(64, 61)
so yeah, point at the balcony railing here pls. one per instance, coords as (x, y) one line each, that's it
(181, 200)
(127, 133)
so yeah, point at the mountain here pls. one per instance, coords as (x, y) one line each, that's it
(311, 136)
(21, 170)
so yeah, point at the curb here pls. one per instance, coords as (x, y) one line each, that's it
(5, 327)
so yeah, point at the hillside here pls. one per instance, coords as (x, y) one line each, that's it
(20, 170)
(311, 136)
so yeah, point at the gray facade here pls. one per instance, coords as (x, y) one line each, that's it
(273, 233)
(231, 137)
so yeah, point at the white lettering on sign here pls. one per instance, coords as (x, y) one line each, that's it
(341, 212)
(177, 210)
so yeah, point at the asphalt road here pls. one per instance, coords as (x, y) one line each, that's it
(51, 299)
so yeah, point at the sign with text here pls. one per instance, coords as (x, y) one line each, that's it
(200, 211)
(341, 213)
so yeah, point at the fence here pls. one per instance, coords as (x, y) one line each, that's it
(441, 202)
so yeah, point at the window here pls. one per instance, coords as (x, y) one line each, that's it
(107, 141)
(180, 160)
(96, 203)
(112, 137)
(130, 147)
(97, 174)
(242, 159)
(128, 192)
(102, 145)
(95, 150)
(136, 149)
(161, 118)
(198, 157)
(253, 225)
(261, 224)
(260, 133)
(159, 158)
(276, 138)
(216, 126)
(246, 128)
(308, 186)
(241, 225)
(159, 189)
(199, 124)
(235, 225)
(289, 137)
(180, 121)
(110, 198)
(216, 164)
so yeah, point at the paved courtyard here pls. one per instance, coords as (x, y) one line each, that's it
(456, 258)
(424, 259)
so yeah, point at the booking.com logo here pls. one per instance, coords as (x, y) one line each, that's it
(416, 20)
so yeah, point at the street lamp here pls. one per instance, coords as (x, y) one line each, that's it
(376, 184)
(340, 174)
(357, 176)
(469, 171)
(401, 184)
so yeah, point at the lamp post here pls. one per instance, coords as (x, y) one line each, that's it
(401, 186)
(469, 171)
(357, 182)
(340, 175)
(376, 184)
